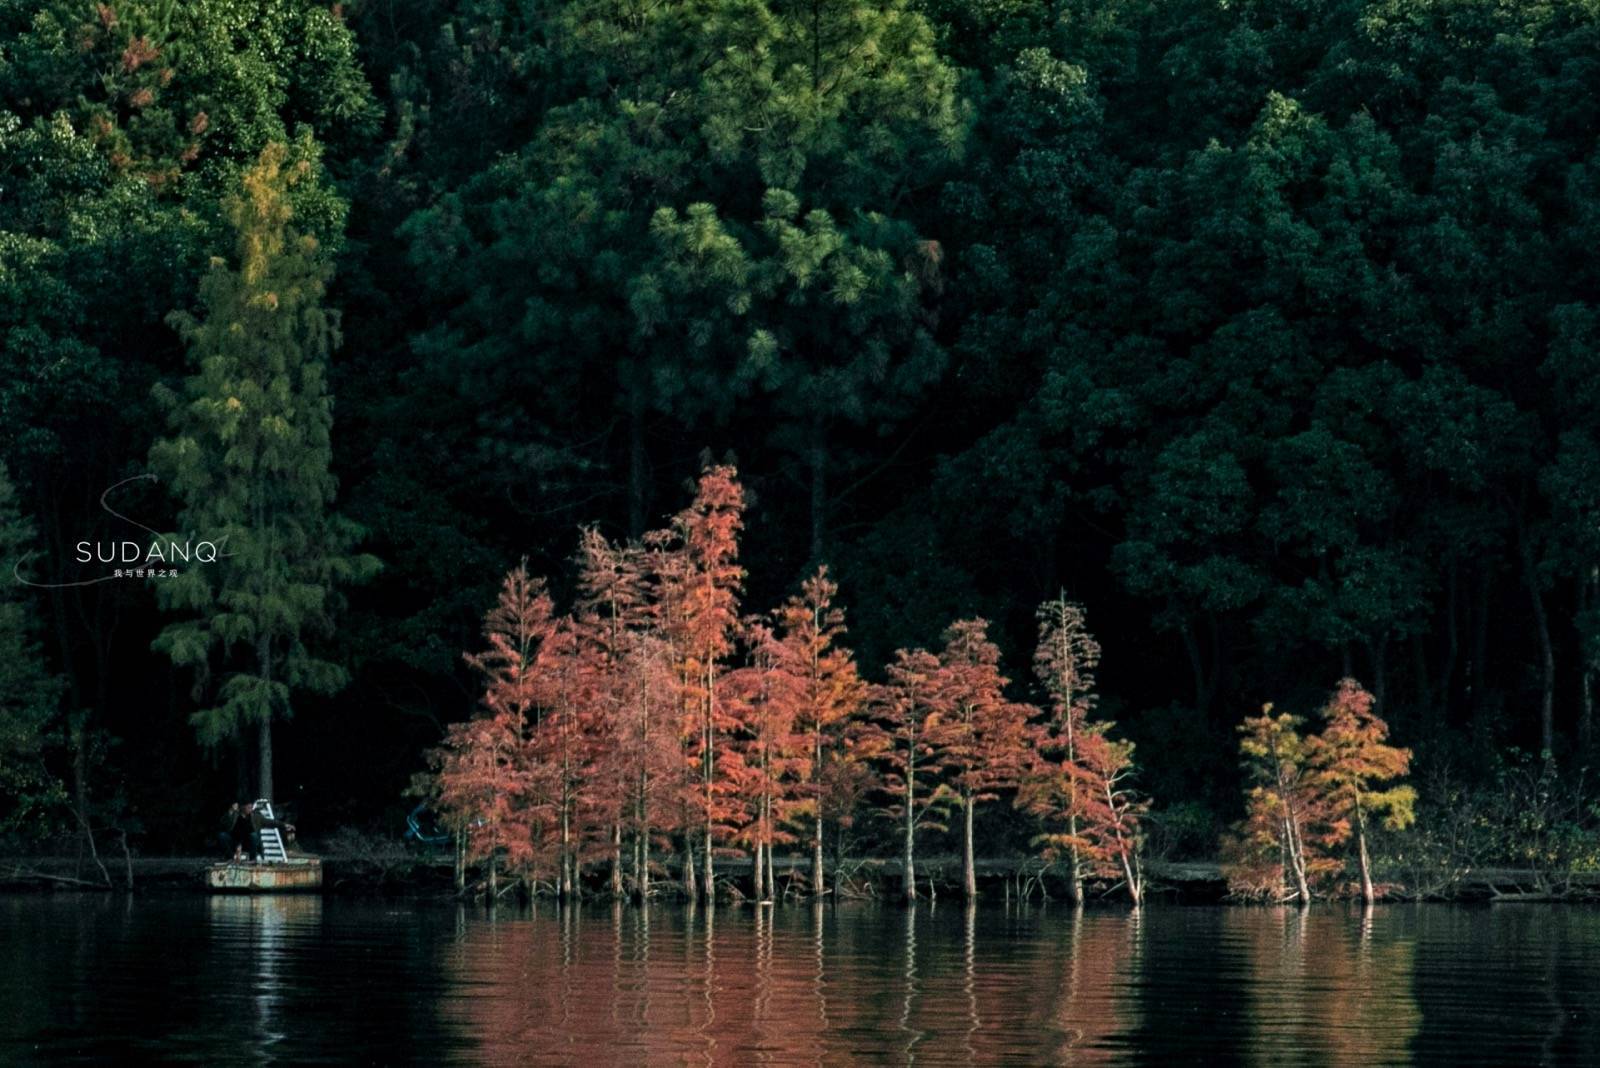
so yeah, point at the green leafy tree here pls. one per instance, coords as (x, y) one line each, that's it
(29, 693)
(249, 456)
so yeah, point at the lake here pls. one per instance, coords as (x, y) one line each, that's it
(296, 980)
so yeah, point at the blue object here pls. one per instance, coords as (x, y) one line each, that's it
(416, 830)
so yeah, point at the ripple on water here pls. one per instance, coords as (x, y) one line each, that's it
(295, 980)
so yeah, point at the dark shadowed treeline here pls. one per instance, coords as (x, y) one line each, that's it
(1265, 330)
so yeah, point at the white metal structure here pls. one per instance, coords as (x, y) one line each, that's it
(272, 850)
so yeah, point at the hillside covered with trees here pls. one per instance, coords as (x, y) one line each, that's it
(1266, 333)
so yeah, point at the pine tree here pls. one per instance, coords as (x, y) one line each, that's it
(249, 455)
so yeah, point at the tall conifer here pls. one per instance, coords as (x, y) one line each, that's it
(249, 455)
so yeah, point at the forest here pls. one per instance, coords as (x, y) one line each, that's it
(1258, 338)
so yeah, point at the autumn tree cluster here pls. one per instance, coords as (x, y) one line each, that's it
(653, 728)
(1313, 800)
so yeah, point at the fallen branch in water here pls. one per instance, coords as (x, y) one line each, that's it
(30, 873)
(88, 834)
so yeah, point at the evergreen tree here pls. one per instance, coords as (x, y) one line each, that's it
(28, 691)
(249, 455)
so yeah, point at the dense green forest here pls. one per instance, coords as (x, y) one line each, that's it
(1266, 330)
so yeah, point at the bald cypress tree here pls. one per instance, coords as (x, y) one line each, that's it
(249, 455)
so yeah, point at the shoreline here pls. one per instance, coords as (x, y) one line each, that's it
(999, 880)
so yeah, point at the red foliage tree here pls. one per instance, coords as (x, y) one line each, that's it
(613, 615)
(830, 696)
(1284, 813)
(903, 733)
(699, 582)
(1080, 780)
(983, 742)
(1108, 833)
(1349, 760)
(569, 745)
(1064, 662)
(773, 755)
(485, 784)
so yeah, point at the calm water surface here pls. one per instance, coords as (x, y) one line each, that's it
(296, 980)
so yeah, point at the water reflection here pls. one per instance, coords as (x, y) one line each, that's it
(264, 927)
(296, 980)
(1327, 987)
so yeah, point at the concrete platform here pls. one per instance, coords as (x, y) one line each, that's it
(299, 874)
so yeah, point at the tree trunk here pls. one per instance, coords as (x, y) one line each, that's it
(564, 880)
(461, 861)
(819, 489)
(1447, 671)
(264, 745)
(909, 869)
(264, 727)
(1367, 893)
(969, 870)
(1547, 659)
(1419, 667)
(241, 761)
(638, 470)
(690, 887)
(1134, 877)
(78, 729)
(1586, 714)
(1377, 651)
(818, 884)
(1588, 589)
(616, 859)
(710, 883)
(758, 874)
(1480, 640)
(1297, 859)
(641, 845)
(1204, 677)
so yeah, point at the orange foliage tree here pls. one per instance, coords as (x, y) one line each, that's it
(1310, 795)
(829, 696)
(1284, 814)
(485, 784)
(983, 740)
(774, 760)
(1109, 834)
(1350, 760)
(1080, 783)
(699, 581)
(630, 687)
(654, 713)
(906, 713)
